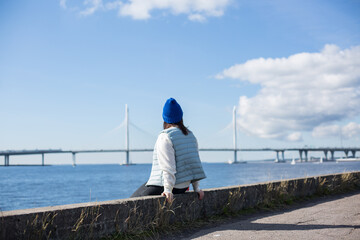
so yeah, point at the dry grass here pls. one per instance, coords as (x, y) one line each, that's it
(235, 198)
(165, 211)
(40, 227)
(159, 223)
(87, 221)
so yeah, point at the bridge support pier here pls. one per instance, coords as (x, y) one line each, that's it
(42, 159)
(74, 158)
(282, 156)
(353, 153)
(300, 154)
(306, 156)
(332, 155)
(127, 157)
(326, 155)
(346, 153)
(235, 156)
(6, 160)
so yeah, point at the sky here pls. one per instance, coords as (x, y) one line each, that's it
(68, 67)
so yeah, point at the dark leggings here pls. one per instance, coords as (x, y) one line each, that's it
(154, 190)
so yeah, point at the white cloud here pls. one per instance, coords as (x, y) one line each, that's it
(325, 131)
(351, 130)
(348, 131)
(113, 5)
(92, 7)
(63, 3)
(299, 93)
(197, 18)
(196, 10)
(294, 137)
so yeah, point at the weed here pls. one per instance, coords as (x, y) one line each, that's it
(86, 221)
(41, 227)
(234, 200)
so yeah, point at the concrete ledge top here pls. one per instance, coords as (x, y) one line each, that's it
(72, 206)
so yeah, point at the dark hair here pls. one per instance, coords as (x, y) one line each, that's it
(180, 125)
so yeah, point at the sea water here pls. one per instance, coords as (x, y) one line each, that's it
(24, 187)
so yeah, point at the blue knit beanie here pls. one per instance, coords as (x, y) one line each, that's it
(172, 112)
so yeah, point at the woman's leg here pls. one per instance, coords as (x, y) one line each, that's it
(144, 190)
(147, 191)
(179, 190)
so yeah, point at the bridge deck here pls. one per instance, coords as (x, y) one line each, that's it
(48, 151)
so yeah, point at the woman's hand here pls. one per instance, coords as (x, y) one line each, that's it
(200, 194)
(169, 196)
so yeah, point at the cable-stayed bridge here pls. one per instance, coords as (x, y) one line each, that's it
(303, 152)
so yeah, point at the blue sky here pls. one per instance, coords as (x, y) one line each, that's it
(67, 69)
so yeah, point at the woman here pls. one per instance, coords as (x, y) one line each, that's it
(176, 161)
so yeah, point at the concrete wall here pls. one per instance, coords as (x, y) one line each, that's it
(93, 220)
